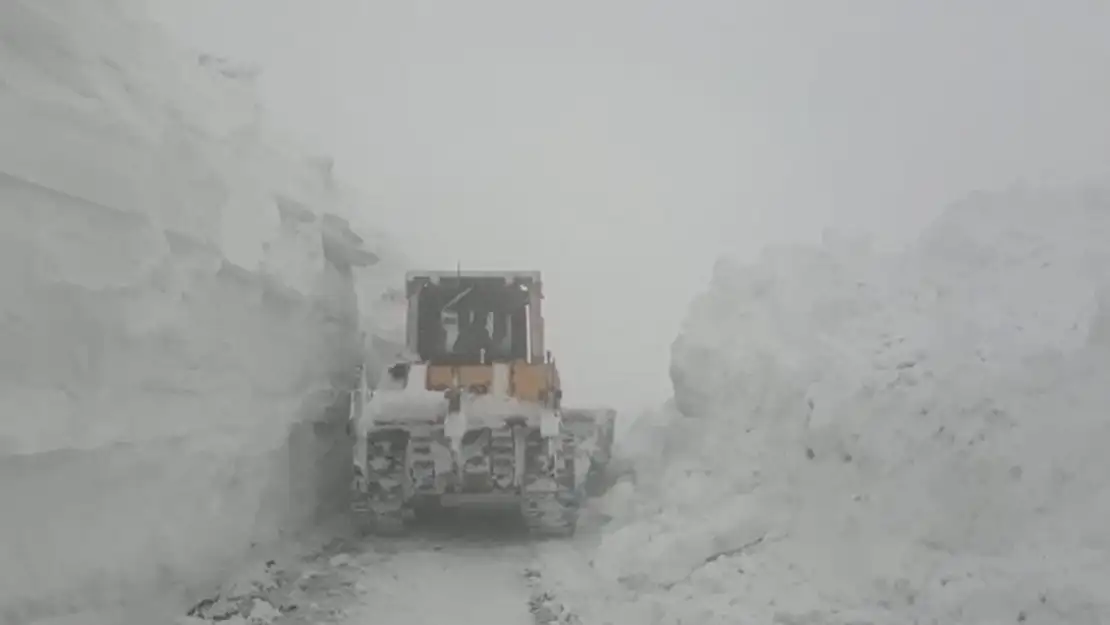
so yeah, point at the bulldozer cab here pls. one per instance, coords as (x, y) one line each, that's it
(464, 318)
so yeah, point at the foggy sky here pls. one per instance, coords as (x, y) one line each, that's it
(620, 146)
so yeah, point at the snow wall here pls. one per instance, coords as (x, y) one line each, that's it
(179, 319)
(859, 437)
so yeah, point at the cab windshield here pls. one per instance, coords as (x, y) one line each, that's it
(472, 320)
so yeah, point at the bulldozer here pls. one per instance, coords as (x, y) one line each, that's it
(471, 412)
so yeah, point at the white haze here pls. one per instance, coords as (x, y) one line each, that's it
(620, 147)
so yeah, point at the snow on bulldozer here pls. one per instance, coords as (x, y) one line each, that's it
(472, 414)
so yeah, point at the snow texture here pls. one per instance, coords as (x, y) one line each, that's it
(859, 437)
(463, 584)
(180, 317)
(445, 576)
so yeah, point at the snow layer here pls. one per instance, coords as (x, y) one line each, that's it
(179, 321)
(864, 438)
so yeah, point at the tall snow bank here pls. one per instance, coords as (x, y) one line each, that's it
(871, 438)
(179, 320)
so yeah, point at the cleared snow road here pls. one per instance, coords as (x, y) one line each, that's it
(465, 571)
(423, 583)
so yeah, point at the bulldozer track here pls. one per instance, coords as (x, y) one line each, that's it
(551, 513)
(381, 509)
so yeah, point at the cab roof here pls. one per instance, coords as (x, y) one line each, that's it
(439, 275)
(485, 280)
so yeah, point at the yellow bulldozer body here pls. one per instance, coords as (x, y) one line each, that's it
(473, 413)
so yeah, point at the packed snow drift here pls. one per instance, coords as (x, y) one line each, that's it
(859, 437)
(179, 322)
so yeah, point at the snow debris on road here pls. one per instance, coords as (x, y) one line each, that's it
(251, 596)
(301, 584)
(874, 438)
(459, 571)
(546, 607)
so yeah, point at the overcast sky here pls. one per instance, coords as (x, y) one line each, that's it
(620, 146)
